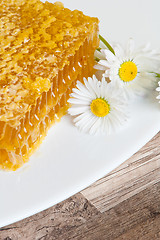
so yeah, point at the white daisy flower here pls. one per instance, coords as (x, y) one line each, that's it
(131, 69)
(158, 90)
(98, 106)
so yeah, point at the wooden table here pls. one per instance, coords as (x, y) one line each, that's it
(125, 204)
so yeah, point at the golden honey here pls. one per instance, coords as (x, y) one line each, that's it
(44, 49)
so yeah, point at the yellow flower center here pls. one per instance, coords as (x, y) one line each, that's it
(128, 71)
(100, 107)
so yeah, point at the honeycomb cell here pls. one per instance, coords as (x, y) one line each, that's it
(44, 49)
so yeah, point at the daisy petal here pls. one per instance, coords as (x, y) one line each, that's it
(104, 63)
(130, 47)
(77, 110)
(100, 67)
(101, 114)
(119, 52)
(109, 55)
(95, 127)
(158, 97)
(78, 101)
(83, 89)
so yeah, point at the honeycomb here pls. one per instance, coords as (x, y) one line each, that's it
(44, 49)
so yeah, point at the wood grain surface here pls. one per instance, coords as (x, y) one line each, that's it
(136, 174)
(125, 204)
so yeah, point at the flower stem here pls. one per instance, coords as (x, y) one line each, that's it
(107, 44)
(158, 75)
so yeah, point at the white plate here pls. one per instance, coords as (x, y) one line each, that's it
(69, 161)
